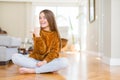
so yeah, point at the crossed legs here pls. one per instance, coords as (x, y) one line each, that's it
(28, 65)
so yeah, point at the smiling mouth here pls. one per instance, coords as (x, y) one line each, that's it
(43, 23)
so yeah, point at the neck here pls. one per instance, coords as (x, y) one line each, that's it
(46, 28)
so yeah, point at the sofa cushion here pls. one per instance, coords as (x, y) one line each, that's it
(6, 53)
(9, 41)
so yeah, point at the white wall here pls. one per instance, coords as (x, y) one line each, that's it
(14, 19)
(107, 28)
(115, 29)
(42, 0)
(111, 32)
(93, 31)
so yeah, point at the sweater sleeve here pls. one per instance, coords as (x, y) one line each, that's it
(39, 45)
(54, 51)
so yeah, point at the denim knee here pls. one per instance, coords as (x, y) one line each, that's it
(15, 57)
(64, 62)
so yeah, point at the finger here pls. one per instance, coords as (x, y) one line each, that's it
(39, 64)
(33, 35)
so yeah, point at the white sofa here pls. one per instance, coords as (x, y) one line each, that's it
(8, 46)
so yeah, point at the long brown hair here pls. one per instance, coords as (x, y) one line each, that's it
(52, 22)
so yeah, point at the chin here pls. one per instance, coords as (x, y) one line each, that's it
(43, 27)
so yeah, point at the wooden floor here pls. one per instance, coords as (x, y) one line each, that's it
(83, 66)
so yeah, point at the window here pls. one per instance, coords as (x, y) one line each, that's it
(62, 15)
(66, 18)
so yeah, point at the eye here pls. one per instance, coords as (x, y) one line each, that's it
(44, 17)
(39, 17)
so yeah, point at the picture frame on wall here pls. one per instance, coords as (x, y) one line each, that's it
(91, 11)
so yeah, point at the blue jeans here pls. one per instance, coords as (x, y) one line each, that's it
(25, 61)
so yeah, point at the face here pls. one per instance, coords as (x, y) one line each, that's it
(43, 21)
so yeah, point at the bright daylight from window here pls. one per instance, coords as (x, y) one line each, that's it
(67, 21)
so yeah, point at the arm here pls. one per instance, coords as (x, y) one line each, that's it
(39, 45)
(54, 51)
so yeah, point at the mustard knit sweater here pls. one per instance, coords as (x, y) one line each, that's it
(46, 47)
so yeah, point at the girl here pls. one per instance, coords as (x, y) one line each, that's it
(47, 46)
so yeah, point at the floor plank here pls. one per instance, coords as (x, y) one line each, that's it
(82, 66)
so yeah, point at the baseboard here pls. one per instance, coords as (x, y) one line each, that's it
(111, 61)
(106, 60)
(5, 62)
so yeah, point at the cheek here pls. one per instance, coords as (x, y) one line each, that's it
(47, 23)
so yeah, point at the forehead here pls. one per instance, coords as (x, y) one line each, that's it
(42, 14)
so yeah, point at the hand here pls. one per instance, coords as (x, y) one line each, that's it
(41, 63)
(36, 32)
